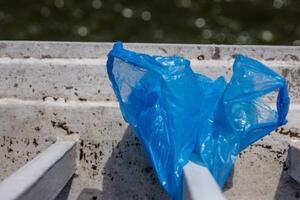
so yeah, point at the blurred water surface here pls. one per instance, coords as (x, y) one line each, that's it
(172, 21)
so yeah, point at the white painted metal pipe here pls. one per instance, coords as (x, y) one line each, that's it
(43, 177)
(199, 184)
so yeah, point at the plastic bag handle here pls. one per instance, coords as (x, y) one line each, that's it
(283, 102)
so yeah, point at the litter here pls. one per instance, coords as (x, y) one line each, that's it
(179, 115)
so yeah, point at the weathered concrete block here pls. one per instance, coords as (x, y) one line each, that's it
(57, 90)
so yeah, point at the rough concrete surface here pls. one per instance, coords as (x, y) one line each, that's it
(51, 91)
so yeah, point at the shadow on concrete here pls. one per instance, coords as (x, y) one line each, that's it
(288, 188)
(229, 183)
(90, 194)
(64, 194)
(127, 174)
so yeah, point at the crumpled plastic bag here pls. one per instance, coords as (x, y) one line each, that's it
(177, 113)
(237, 115)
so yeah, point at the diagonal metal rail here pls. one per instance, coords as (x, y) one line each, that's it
(44, 176)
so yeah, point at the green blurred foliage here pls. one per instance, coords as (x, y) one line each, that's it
(172, 21)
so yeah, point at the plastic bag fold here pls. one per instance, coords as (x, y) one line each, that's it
(176, 112)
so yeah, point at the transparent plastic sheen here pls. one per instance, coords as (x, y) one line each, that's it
(179, 115)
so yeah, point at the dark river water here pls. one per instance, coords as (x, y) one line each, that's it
(178, 21)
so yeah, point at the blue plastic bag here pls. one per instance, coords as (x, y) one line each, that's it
(176, 112)
(159, 97)
(238, 115)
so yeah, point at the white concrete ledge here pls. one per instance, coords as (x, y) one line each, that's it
(43, 177)
(199, 184)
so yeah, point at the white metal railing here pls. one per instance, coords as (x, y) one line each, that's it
(44, 176)
(199, 184)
